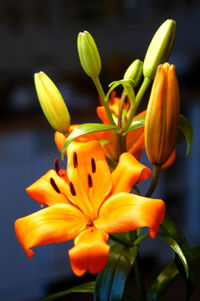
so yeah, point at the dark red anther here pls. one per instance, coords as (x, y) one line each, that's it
(75, 159)
(57, 165)
(90, 181)
(53, 184)
(73, 192)
(93, 165)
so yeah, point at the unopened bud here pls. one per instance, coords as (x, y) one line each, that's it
(162, 116)
(160, 48)
(134, 72)
(52, 103)
(88, 54)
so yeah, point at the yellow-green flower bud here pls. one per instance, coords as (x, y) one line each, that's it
(160, 48)
(88, 54)
(162, 115)
(52, 103)
(134, 72)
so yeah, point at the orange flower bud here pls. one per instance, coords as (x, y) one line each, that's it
(162, 116)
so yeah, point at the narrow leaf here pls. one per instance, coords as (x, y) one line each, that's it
(189, 277)
(110, 282)
(82, 288)
(125, 82)
(127, 85)
(86, 128)
(136, 124)
(163, 282)
(174, 245)
(166, 278)
(187, 130)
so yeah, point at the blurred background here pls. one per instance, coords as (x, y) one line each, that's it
(41, 35)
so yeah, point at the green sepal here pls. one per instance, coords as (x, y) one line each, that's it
(187, 271)
(86, 128)
(87, 287)
(187, 130)
(110, 282)
(136, 124)
(127, 85)
(166, 278)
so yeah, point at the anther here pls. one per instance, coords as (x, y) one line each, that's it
(90, 181)
(57, 165)
(53, 184)
(93, 165)
(75, 160)
(73, 192)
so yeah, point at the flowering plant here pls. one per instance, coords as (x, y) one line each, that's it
(96, 201)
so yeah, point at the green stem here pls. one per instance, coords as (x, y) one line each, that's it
(139, 239)
(123, 241)
(145, 84)
(123, 97)
(138, 273)
(122, 143)
(139, 279)
(154, 180)
(136, 189)
(102, 96)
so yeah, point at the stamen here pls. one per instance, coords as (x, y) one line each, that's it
(57, 165)
(93, 165)
(53, 184)
(75, 160)
(73, 192)
(90, 181)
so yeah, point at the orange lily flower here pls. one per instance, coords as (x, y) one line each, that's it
(86, 203)
(134, 139)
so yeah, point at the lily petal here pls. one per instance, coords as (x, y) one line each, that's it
(128, 171)
(170, 160)
(124, 212)
(59, 139)
(90, 251)
(101, 112)
(89, 176)
(49, 190)
(135, 138)
(54, 224)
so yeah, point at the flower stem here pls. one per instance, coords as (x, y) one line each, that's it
(121, 240)
(154, 180)
(140, 94)
(139, 279)
(123, 96)
(139, 239)
(102, 96)
(138, 272)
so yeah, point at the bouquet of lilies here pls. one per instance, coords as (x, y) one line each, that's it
(96, 200)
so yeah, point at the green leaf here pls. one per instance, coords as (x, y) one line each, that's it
(82, 288)
(163, 282)
(136, 124)
(166, 278)
(110, 282)
(187, 130)
(123, 82)
(127, 85)
(175, 246)
(189, 273)
(86, 128)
